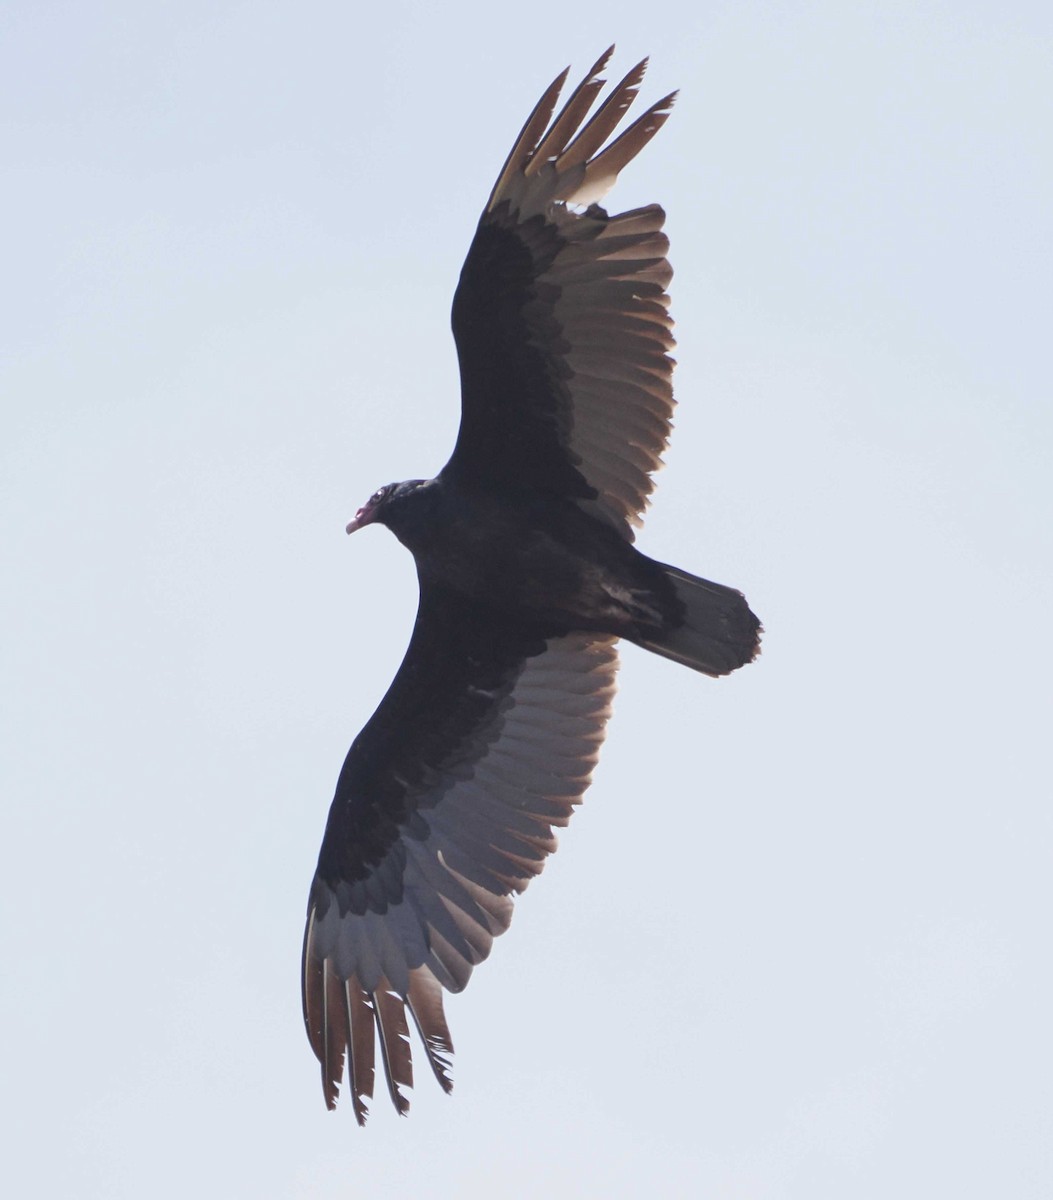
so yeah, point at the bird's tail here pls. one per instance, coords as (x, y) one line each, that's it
(717, 633)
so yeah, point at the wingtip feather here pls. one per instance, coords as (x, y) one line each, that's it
(582, 171)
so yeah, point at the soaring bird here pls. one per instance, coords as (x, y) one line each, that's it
(528, 577)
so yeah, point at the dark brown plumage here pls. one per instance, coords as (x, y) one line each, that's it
(528, 576)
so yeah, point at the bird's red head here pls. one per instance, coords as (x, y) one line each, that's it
(367, 514)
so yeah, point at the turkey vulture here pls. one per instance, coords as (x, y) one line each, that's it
(528, 577)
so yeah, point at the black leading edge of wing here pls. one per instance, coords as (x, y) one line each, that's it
(445, 806)
(560, 316)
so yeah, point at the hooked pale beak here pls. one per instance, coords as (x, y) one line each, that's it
(366, 515)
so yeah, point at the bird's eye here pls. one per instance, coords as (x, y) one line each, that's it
(377, 496)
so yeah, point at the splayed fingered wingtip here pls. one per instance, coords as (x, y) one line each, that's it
(573, 147)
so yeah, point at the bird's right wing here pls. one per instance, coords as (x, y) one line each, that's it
(445, 806)
(561, 315)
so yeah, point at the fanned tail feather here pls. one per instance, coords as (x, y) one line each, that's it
(717, 634)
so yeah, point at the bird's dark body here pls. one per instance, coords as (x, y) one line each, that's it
(530, 558)
(487, 737)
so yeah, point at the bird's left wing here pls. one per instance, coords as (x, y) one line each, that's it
(444, 807)
(561, 315)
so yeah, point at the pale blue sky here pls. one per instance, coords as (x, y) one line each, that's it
(796, 945)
